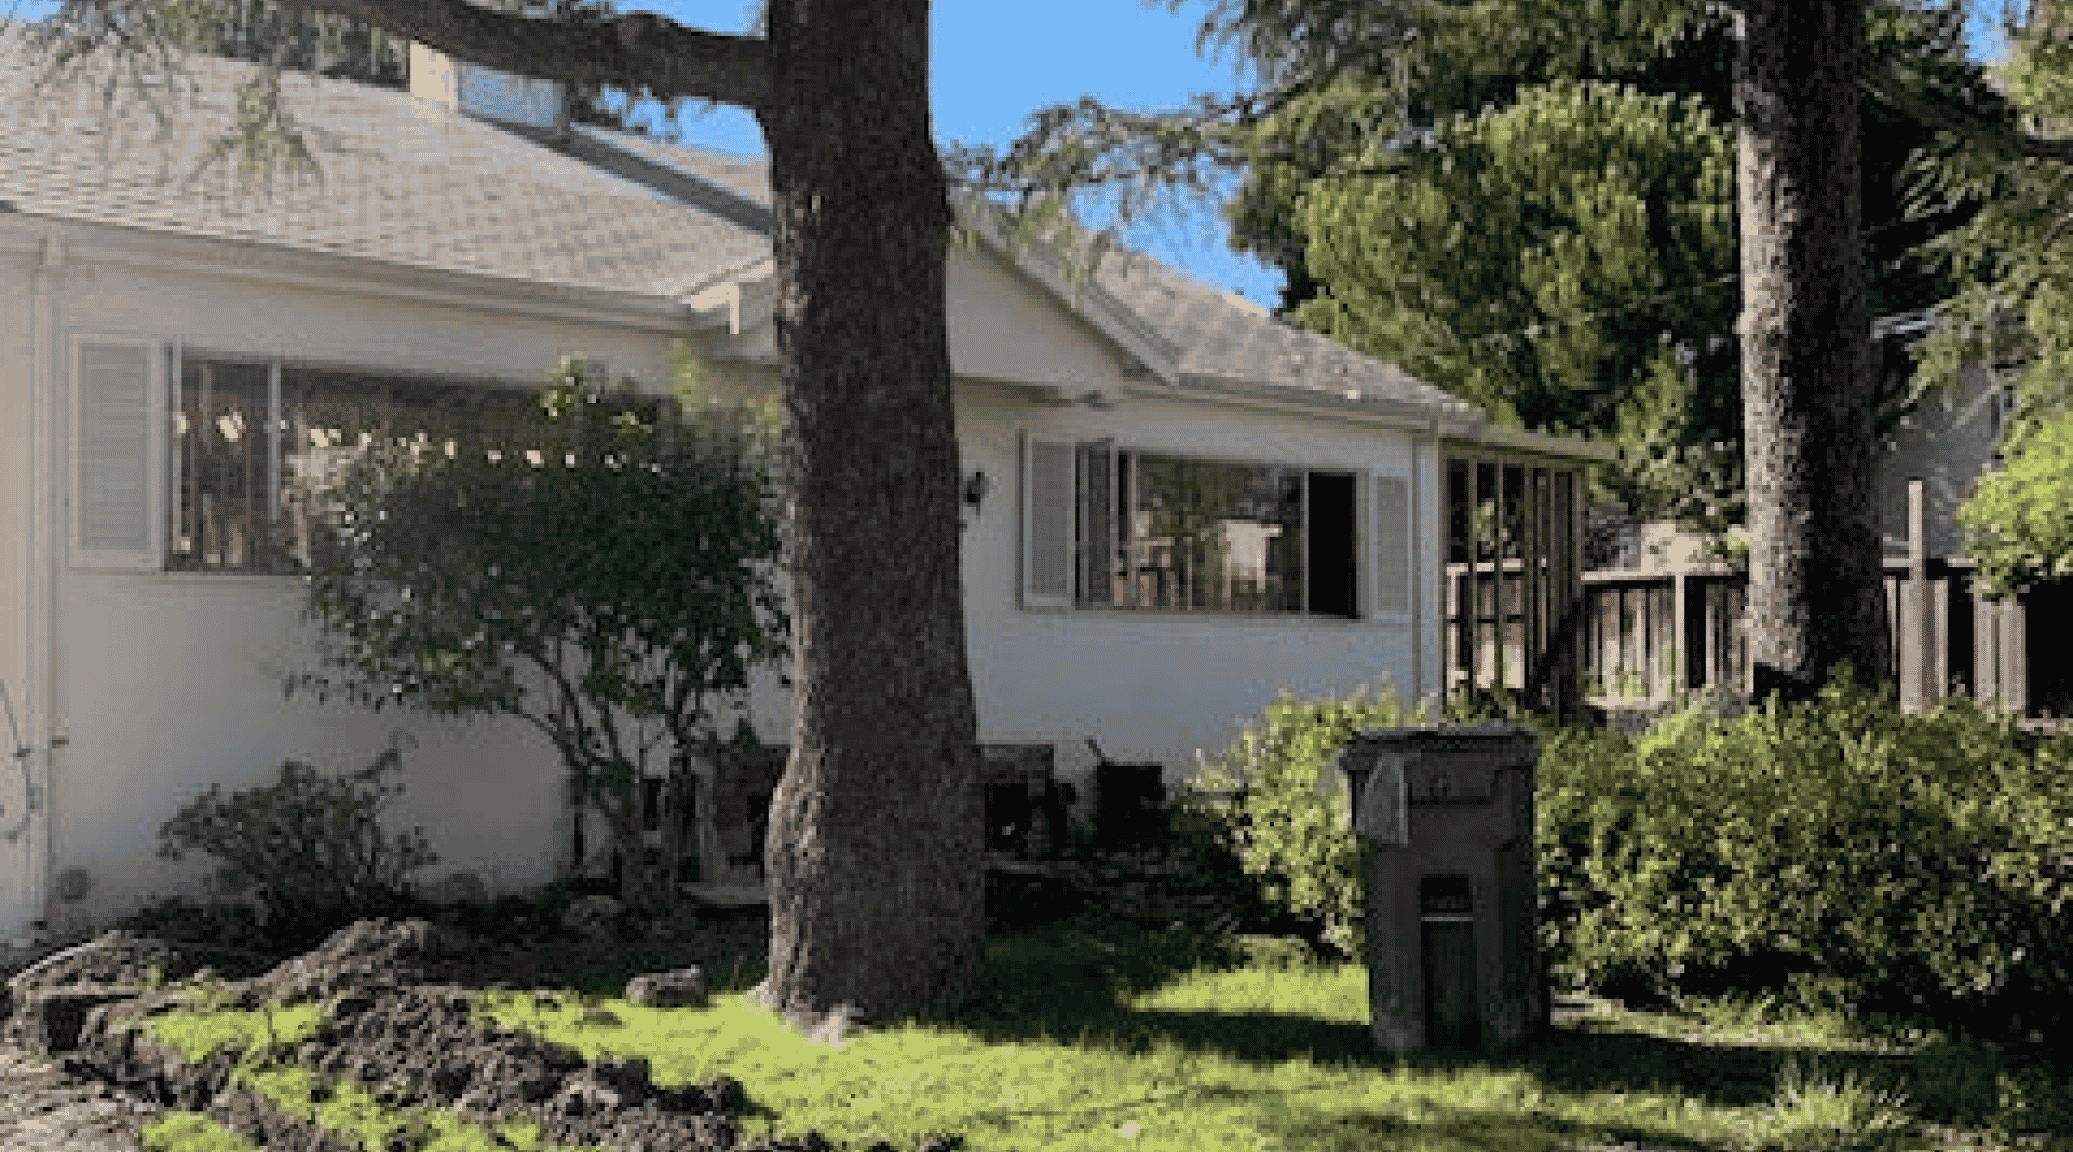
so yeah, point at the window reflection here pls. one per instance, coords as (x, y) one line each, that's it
(252, 456)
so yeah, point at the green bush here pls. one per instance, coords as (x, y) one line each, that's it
(1276, 801)
(1837, 853)
(309, 847)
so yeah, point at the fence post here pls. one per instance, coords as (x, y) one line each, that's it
(1912, 663)
(1680, 635)
(2000, 665)
(1986, 647)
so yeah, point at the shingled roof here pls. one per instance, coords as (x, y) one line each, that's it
(402, 181)
(396, 180)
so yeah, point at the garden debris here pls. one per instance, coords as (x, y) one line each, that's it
(592, 916)
(684, 988)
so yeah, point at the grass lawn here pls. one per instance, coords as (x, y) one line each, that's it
(1093, 1035)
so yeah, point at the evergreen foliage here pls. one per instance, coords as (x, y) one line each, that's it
(292, 38)
(1838, 853)
(1277, 803)
(604, 573)
(297, 39)
(1504, 255)
(2013, 315)
(308, 847)
(2018, 521)
(1494, 156)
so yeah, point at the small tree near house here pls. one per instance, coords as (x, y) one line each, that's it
(600, 565)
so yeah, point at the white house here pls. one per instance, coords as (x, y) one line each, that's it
(174, 348)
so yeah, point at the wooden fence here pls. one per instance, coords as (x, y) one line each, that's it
(1649, 637)
(1639, 640)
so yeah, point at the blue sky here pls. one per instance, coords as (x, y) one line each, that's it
(991, 71)
(994, 64)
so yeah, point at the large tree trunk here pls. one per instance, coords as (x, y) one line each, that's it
(873, 864)
(1816, 593)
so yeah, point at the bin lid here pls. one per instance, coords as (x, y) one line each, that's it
(1453, 763)
(1481, 735)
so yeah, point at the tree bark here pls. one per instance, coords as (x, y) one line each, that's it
(640, 51)
(872, 858)
(872, 855)
(1816, 590)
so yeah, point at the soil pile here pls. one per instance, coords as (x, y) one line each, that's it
(409, 1038)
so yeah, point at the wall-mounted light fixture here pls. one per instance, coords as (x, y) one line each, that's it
(976, 486)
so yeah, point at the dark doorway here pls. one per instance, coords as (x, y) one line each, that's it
(2047, 622)
(1332, 573)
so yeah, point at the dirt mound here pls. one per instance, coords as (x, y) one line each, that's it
(411, 1043)
(365, 954)
(419, 1046)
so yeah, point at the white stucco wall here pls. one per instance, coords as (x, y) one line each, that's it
(166, 683)
(1152, 685)
(20, 856)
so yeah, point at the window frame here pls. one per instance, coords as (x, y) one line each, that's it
(1361, 525)
(179, 355)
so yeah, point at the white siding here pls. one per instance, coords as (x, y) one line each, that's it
(169, 682)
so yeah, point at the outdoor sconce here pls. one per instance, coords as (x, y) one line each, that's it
(976, 486)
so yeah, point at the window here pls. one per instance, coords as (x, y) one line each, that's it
(254, 442)
(1107, 527)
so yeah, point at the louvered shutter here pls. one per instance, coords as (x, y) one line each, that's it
(1393, 551)
(1047, 523)
(118, 453)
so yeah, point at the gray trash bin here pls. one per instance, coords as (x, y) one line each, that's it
(1445, 820)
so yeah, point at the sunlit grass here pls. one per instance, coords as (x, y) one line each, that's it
(198, 1033)
(1275, 1055)
(1090, 1036)
(177, 1131)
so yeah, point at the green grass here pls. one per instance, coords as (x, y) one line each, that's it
(196, 1034)
(176, 1131)
(347, 1109)
(1101, 1036)
(1087, 1037)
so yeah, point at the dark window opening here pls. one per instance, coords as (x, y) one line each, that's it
(1334, 585)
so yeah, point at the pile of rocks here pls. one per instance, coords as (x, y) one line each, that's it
(393, 1028)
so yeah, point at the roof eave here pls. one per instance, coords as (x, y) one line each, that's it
(1387, 409)
(93, 242)
(1515, 440)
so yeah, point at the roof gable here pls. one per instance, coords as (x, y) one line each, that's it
(1008, 325)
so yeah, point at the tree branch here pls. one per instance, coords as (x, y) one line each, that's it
(2003, 141)
(638, 52)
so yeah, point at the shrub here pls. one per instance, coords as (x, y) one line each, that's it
(1836, 852)
(308, 847)
(228, 936)
(1274, 799)
(1835, 855)
(602, 568)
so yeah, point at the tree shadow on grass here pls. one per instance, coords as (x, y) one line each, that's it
(1447, 1128)
(1287, 1120)
(1073, 982)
